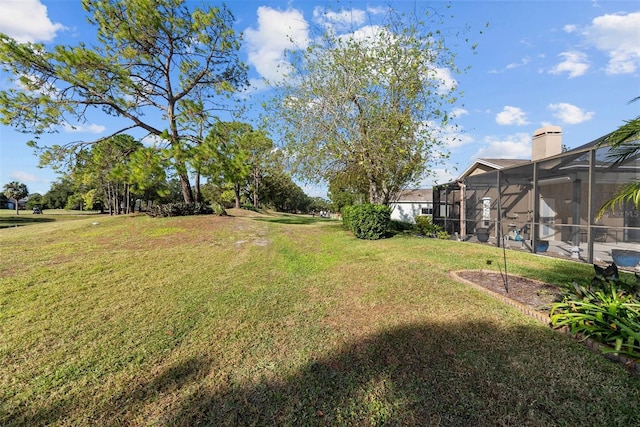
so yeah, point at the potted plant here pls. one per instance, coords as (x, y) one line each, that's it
(482, 234)
(542, 245)
(625, 257)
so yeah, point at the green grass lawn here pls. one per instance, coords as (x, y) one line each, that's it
(279, 320)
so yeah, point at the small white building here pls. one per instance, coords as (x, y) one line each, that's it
(411, 203)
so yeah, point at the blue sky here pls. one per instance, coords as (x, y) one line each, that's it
(573, 64)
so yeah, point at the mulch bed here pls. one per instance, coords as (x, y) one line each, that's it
(532, 293)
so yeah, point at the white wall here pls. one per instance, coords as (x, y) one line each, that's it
(406, 212)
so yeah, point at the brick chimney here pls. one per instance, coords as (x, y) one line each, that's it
(547, 142)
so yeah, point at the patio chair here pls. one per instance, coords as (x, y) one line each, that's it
(600, 235)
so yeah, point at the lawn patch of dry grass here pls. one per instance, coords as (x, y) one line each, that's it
(264, 319)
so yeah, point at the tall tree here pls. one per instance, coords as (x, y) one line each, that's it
(106, 167)
(375, 98)
(234, 153)
(59, 193)
(35, 200)
(153, 59)
(284, 195)
(15, 191)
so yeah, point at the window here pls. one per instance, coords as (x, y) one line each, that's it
(428, 210)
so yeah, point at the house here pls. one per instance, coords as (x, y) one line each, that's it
(555, 196)
(22, 204)
(411, 203)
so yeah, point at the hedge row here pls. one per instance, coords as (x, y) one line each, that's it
(179, 209)
(370, 222)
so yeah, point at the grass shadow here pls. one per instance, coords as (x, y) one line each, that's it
(458, 373)
(294, 219)
(425, 375)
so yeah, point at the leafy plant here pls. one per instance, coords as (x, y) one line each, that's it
(370, 222)
(402, 226)
(607, 309)
(426, 227)
(179, 209)
(624, 146)
(443, 235)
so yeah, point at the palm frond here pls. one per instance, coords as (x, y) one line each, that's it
(628, 193)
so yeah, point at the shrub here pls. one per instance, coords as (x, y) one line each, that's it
(607, 309)
(179, 209)
(218, 209)
(443, 235)
(347, 215)
(426, 227)
(401, 226)
(249, 207)
(370, 222)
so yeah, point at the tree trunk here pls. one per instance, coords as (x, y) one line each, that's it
(236, 192)
(17, 207)
(116, 201)
(374, 196)
(128, 196)
(187, 194)
(256, 182)
(109, 200)
(196, 185)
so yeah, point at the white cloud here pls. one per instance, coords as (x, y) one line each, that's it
(517, 146)
(153, 141)
(439, 176)
(77, 128)
(27, 21)
(524, 61)
(575, 63)
(570, 28)
(343, 20)
(377, 10)
(454, 137)
(445, 78)
(277, 31)
(22, 176)
(570, 114)
(458, 112)
(619, 37)
(512, 116)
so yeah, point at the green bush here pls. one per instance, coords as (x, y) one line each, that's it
(401, 226)
(218, 209)
(370, 222)
(607, 310)
(249, 207)
(179, 209)
(426, 227)
(347, 214)
(443, 235)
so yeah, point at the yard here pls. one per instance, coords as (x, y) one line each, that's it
(258, 319)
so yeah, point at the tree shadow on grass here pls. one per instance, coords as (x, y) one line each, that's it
(432, 374)
(294, 219)
(116, 410)
(465, 373)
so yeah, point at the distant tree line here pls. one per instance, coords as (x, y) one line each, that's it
(120, 175)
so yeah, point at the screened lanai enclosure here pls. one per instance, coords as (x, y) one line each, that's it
(548, 205)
